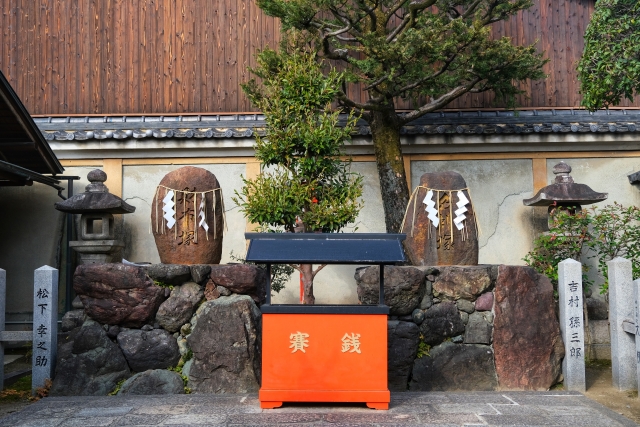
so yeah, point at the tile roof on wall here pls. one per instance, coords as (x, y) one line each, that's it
(245, 125)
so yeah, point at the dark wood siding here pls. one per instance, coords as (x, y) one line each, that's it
(189, 56)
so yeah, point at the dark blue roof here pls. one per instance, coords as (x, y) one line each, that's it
(325, 248)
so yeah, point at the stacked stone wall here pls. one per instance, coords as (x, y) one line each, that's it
(483, 327)
(164, 328)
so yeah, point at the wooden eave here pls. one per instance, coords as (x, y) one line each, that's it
(21, 142)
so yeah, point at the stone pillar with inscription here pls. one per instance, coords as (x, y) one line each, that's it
(636, 327)
(571, 324)
(621, 310)
(45, 325)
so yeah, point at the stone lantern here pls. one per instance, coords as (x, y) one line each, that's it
(96, 205)
(564, 193)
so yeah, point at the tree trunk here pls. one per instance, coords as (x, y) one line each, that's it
(306, 274)
(385, 130)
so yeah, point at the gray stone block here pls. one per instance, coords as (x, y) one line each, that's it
(404, 287)
(427, 301)
(200, 273)
(77, 303)
(225, 341)
(152, 382)
(621, 307)
(465, 317)
(466, 306)
(455, 367)
(144, 350)
(169, 274)
(179, 307)
(478, 330)
(45, 325)
(90, 364)
(417, 316)
(403, 339)
(600, 339)
(636, 286)
(441, 321)
(72, 319)
(572, 324)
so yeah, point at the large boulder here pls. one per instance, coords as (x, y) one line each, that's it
(117, 294)
(403, 339)
(89, 363)
(200, 273)
(225, 341)
(462, 282)
(243, 279)
(452, 366)
(186, 242)
(144, 350)
(169, 274)
(441, 321)
(72, 319)
(526, 334)
(178, 308)
(445, 245)
(156, 381)
(404, 287)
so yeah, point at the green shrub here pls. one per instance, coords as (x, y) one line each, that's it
(610, 232)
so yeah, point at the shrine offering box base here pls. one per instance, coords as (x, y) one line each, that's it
(324, 354)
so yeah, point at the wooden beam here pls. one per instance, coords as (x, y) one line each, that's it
(113, 169)
(539, 168)
(187, 161)
(69, 163)
(526, 155)
(407, 169)
(251, 172)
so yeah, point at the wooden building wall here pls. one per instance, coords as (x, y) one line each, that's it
(189, 56)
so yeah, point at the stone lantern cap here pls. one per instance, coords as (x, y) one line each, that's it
(96, 198)
(564, 191)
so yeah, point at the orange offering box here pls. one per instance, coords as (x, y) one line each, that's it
(324, 355)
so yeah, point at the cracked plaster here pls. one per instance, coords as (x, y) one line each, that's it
(507, 227)
(497, 188)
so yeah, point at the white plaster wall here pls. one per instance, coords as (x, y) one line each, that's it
(30, 236)
(138, 188)
(497, 188)
(31, 226)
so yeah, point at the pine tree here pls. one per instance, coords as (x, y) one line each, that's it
(429, 51)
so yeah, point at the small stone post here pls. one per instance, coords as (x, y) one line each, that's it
(621, 309)
(45, 325)
(3, 298)
(572, 324)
